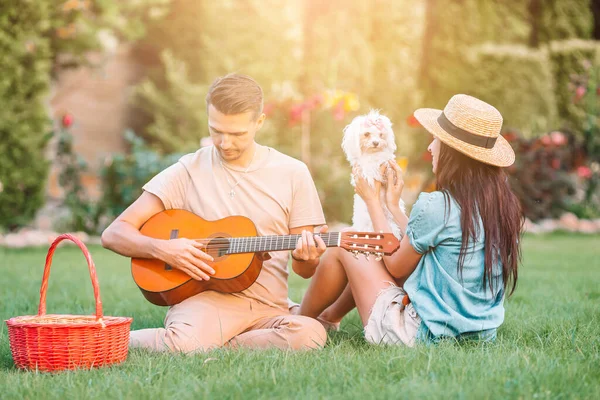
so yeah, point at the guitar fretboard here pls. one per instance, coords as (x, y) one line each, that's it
(275, 243)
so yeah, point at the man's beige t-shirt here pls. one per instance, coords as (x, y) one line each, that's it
(277, 194)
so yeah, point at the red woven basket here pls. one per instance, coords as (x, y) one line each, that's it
(48, 342)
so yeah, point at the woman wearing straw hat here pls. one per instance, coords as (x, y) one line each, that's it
(461, 250)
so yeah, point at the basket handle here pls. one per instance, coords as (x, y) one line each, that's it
(92, 268)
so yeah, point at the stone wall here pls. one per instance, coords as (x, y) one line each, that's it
(98, 98)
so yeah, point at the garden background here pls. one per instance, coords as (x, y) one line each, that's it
(98, 96)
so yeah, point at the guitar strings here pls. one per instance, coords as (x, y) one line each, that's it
(226, 243)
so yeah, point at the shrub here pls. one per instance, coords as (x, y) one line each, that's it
(564, 19)
(541, 176)
(449, 41)
(395, 87)
(124, 175)
(588, 83)
(25, 64)
(83, 214)
(37, 39)
(260, 38)
(177, 110)
(326, 116)
(518, 81)
(571, 58)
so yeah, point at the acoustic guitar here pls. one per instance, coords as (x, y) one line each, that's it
(233, 243)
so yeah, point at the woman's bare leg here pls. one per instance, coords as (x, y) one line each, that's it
(326, 285)
(366, 279)
(342, 306)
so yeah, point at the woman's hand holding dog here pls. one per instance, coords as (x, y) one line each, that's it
(361, 187)
(395, 184)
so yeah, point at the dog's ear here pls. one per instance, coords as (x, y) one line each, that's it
(351, 140)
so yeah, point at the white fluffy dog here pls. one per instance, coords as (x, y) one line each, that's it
(369, 142)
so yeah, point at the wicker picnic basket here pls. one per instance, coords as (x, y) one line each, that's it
(47, 342)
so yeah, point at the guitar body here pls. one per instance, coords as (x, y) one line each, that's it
(164, 286)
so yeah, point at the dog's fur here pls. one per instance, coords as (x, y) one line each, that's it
(369, 142)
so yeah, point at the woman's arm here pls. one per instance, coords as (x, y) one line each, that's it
(399, 216)
(394, 187)
(404, 261)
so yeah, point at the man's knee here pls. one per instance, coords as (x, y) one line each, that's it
(306, 333)
(179, 339)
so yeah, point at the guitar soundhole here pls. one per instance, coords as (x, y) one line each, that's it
(217, 247)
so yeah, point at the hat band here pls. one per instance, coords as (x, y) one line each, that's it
(476, 140)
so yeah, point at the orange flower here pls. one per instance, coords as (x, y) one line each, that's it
(70, 5)
(402, 162)
(510, 136)
(30, 46)
(412, 121)
(65, 32)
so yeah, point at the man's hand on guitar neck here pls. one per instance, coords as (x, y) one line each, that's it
(308, 251)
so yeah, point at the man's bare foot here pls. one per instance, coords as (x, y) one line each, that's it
(327, 323)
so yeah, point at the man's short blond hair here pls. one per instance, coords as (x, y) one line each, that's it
(235, 94)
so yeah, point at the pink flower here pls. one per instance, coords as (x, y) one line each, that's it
(309, 105)
(268, 109)
(316, 101)
(546, 140)
(584, 172)
(296, 113)
(67, 120)
(338, 112)
(558, 138)
(579, 93)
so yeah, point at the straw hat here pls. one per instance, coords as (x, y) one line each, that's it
(470, 126)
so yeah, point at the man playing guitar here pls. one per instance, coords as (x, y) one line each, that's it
(235, 176)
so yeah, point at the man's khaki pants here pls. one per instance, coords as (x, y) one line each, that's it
(211, 319)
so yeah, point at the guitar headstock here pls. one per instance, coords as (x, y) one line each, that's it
(369, 243)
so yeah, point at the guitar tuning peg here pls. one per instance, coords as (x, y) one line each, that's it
(378, 256)
(367, 256)
(355, 254)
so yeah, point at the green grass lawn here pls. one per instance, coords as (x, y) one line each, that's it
(549, 346)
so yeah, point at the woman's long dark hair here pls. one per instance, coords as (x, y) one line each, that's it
(483, 190)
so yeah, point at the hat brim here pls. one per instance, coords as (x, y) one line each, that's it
(501, 155)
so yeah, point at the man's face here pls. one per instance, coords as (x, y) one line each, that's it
(232, 134)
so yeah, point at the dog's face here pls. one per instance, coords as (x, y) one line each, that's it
(372, 140)
(368, 134)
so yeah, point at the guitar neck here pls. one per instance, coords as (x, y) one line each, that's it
(256, 244)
